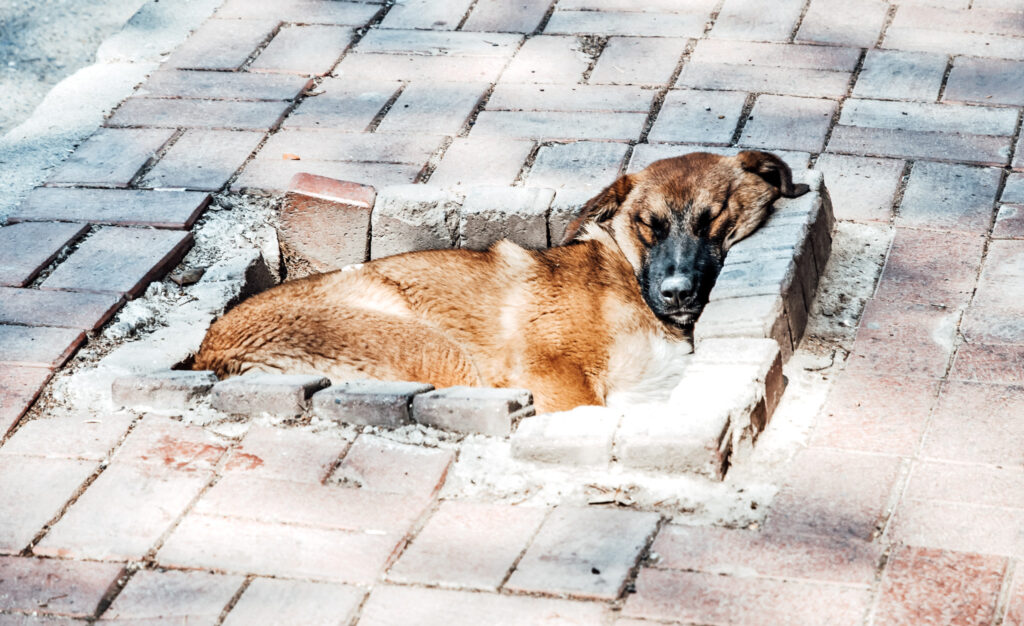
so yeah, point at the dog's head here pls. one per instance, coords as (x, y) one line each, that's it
(675, 220)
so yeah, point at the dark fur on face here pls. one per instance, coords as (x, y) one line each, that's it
(675, 221)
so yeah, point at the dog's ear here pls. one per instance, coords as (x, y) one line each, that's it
(601, 207)
(773, 170)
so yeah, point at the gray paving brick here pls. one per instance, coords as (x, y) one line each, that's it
(427, 14)
(764, 79)
(949, 42)
(419, 67)
(111, 157)
(39, 346)
(192, 597)
(754, 317)
(582, 436)
(690, 116)
(546, 97)
(792, 56)
(434, 107)
(986, 81)
(789, 123)
(901, 75)
(558, 125)
(501, 16)
(164, 209)
(343, 104)
(1018, 154)
(164, 113)
(583, 164)
(439, 43)
(472, 409)
(919, 116)
(481, 161)
(295, 602)
(762, 353)
(277, 394)
(949, 197)
(1013, 189)
(173, 390)
(844, 22)
(627, 60)
(982, 149)
(274, 175)
(412, 217)
(646, 24)
(25, 249)
(302, 11)
(35, 307)
(223, 44)
(331, 145)
(547, 59)
(493, 213)
(222, 85)
(306, 50)
(747, 20)
(373, 403)
(203, 159)
(862, 188)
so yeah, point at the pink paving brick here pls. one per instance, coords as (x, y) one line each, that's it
(500, 16)
(202, 542)
(302, 11)
(52, 587)
(223, 44)
(635, 23)
(983, 485)
(120, 260)
(111, 157)
(711, 599)
(19, 388)
(32, 492)
(168, 444)
(275, 175)
(985, 81)
(875, 414)
(900, 75)
(427, 14)
(74, 437)
(286, 454)
(295, 603)
(547, 59)
(799, 81)
(923, 586)
(223, 85)
(862, 189)
(343, 104)
(788, 123)
(692, 116)
(324, 224)
(38, 346)
(304, 50)
(185, 597)
(26, 249)
(33, 307)
(439, 43)
(389, 605)
(203, 159)
(418, 67)
(950, 197)
(583, 164)
(627, 60)
(122, 207)
(834, 493)
(959, 526)
(885, 142)
(438, 107)
(991, 363)
(904, 339)
(381, 465)
(584, 552)
(938, 268)
(468, 544)
(977, 423)
(481, 161)
(843, 23)
(746, 20)
(223, 114)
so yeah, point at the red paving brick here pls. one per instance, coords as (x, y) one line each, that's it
(119, 207)
(300, 456)
(184, 597)
(295, 603)
(38, 346)
(73, 437)
(53, 587)
(977, 423)
(164, 443)
(26, 249)
(33, 307)
(936, 587)
(991, 363)
(380, 465)
(326, 222)
(900, 339)
(931, 267)
(19, 388)
(32, 492)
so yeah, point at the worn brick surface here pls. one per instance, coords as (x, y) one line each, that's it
(223, 44)
(409, 217)
(186, 597)
(25, 249)
(381, 465)
(427, 14)
(225, 114)
(745, 20)
(788, 122)
(966, 527)
(904, 339)
(468, 544)
(484, 161)
(72, 437)
(584, 552)
(309, 50)
(295, 603)
(900, 75)
(32, 491)
(842, 22)
(122, 207)
(698, 116)
(637, 23)
(223, 85)
(522, 16)
(38, 346)
(111, 157)
(266, 393)
(937, 268)
(580, 437)
(490, 214)
(547, 59)
(992, 363)
(56, 308)
(862, 189)
(203, 159)
(974, 422)
(438, 107)
(627, 60)
(166, 390)
(286, 454)
(950, 197)
(471, 409)
(587, 165)
(162, 442)
(52, 587)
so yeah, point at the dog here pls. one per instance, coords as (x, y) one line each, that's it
(607, 311)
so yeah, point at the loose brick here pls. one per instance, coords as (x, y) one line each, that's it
(645, 24)
(419, 67)
(162, 443)
(787, 122)
(584, 553)
(121, 207)
(502, 17)
(558, 125)
(170, 390)
(40, 346)
(744, 19)
(68, 588)
(990, 363)
(307, 50)
(192, 597)
(949, 197)
(19, 388)
(427, 14)
(343, 104)
(627, 60)
(276, 175)
(77, 437)
(382, 465)
(203, 159)
(920, 116)
(32, 492)
(1009, 222)
(120, 260)
(222, 114)
(1015, 609)
(900, 339)
(325, 224)
(575, 98)
(974, 423)
(25, 249)
(223, 85)
(843, 23)
(223, 44)
(586, 165)
(111, 157)
(438, 555)
(32, 307)
(582, 436)
(437, 607)
(440, 107)
(757, 317)
(982, 149)
(490, 214)
(296, 603)
(286, 454)
(987, 81)
(698, 116)
(412, 217)
(862, 189)
(302, 11)
(901, 75)
(547, 59)
(472, 409)
(266, 393)
(203, 542)
(368, 402)
(481, 161)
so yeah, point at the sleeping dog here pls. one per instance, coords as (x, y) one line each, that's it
(606, 312)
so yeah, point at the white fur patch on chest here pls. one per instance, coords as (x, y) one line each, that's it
(645, 367)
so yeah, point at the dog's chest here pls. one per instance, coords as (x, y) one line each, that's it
(645, 366)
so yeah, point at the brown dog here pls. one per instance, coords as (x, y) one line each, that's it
(604, 313)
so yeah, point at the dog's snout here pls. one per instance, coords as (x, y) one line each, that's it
(676, 289)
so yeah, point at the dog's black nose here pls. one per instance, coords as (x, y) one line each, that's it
(676, 289)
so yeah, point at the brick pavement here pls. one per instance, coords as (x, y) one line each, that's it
(902, 509)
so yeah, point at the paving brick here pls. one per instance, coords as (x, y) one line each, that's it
(987, 81)
(188, 597)
(627, 60)
(788, 122)
(32, 307)
(1009, 222)
(472, 409)
(949, 197)
(862, 189)
(439, 43)
(162, 442)
(640, 24)
(938, 268)
(223, 44)
(368, 402)
(1013, 189)
(440, 107)
(834, 493)
(967, 527)
(40, 346)
(330, 145)
(437, 607)
(481, 161)
(19, 388)
(655, 6)
(921, 116)
(51, 587)
(302, 11)
(32, 491)
(889, 419)
(914, 340)
(266, 393)
(939, 586)
(295, 603)
(123, 513)
(25, 249)
(766, 79)
(381, 465)
(223, 85)
(843, 23)
(558, 125)
(123, 207)
(1015, 609)
(73, 437)
(990, 363)
(744, 19)
(698, 116)
(901, 75)
(975, 423)
(120, 260)
(438, 555)
(306, 50)
(412, 217)
(223, 114)
(547, 97)
(276, 175)
(523, 16)
(1018, 154)
(343, 104)
(493, 213)
(548, 59)
(755, 316)
(582, 436)
(111, 157)
(981, 485)
(173, 390)
(285, 454)
(765, 55)
(419, 67)
(886, 142)
(203, 159)
(427, 14)
(203, 542)
(906, 37)
(710, 598)
(589, 165)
